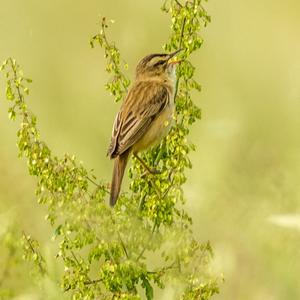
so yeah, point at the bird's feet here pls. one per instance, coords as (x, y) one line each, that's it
(148, 170)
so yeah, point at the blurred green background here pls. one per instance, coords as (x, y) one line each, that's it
(243, 192)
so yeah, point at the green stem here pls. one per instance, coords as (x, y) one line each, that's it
(180, 46)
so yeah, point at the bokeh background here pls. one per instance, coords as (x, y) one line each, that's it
(243, 191)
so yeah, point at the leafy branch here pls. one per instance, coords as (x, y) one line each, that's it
(31, 253)
(105, 252)
(119, 83)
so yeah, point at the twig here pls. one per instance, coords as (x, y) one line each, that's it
(151, 172)
(20, 96)
(120, 238)
(123, 245)
(178, 3)
(180, 46)
(164, 269)
(144, 249)
(94, 182)
(42, 270)
(92, 281)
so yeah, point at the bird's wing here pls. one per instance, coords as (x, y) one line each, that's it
(143, 103)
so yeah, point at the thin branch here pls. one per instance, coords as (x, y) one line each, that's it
(93, 182)
(144, 249)
(123, 245)
(178, 3)
(171, 266)
(42, 269)
(92, 281)
(151, 173)
(120, 238)
(182, 33)
(20, 96)
(180, 46)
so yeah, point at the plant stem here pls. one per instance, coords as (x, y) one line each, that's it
(42, 270)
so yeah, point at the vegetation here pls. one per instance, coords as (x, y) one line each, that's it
(146, 241)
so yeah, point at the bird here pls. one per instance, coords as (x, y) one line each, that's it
(145, 115)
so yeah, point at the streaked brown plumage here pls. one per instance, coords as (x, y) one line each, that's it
(144, 115)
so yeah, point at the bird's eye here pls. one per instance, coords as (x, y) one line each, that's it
(160, 62)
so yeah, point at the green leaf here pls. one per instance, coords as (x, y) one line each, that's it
(11, 114)
(9, 93)
(148, 288)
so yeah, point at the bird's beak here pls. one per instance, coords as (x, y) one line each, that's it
(174, 53)
(171, 55)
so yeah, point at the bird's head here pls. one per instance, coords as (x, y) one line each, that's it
(155, 65)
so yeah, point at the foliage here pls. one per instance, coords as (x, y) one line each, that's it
(9, 260)
(119, 83)
(106, 252)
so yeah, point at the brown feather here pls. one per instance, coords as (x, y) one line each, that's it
(144, 102)
(118, 173)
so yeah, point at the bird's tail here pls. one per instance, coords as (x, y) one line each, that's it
(118, 172)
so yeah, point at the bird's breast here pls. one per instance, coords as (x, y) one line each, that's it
(159, 128)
